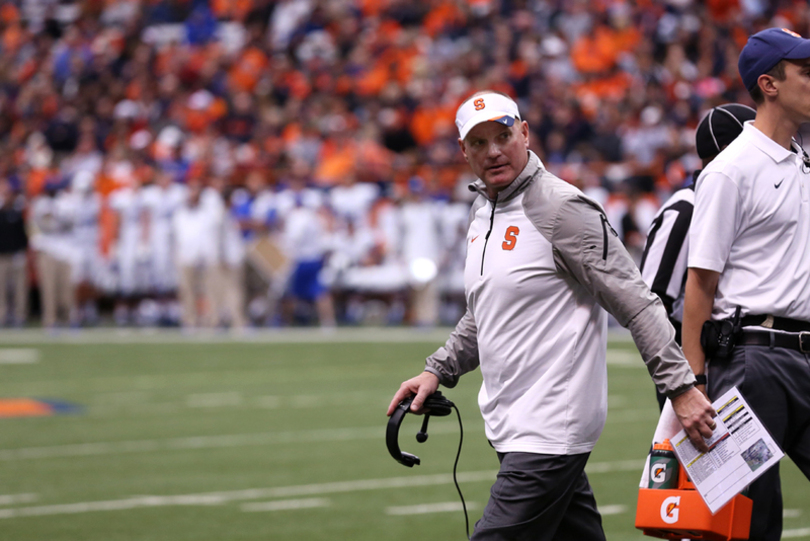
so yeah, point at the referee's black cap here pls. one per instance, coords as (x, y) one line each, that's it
(720, 126)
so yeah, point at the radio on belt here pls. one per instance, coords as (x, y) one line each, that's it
(672, 509)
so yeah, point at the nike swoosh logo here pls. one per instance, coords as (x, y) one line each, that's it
(775, 185)
(473, 239)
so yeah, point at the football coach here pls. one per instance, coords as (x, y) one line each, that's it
(543, 266)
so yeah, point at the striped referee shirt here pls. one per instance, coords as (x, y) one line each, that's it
(664, 262)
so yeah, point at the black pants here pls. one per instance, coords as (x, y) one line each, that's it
(540, 498)
(776, 384)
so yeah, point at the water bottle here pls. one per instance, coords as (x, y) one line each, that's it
(664, 466)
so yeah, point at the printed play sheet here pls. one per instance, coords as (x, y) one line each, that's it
(740, 450)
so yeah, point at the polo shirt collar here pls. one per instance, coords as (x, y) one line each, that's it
(532, 166)
(767, 145)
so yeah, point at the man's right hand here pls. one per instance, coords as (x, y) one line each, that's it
(696, 415)
(423, 385)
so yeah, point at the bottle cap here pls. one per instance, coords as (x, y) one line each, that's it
(664, 446)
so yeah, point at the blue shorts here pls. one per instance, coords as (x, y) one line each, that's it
(305, 283)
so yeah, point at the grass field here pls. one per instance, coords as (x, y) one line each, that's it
(274, 436)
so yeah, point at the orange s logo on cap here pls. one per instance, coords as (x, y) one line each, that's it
(479, 104)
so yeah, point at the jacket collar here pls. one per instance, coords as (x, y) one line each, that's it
(521, 181)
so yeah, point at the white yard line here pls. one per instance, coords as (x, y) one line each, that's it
(791, 513)
(428, 508)
(113, 505)
(799, 532)
(287, 505)
(205, 442)
(14, 499)
(217, 498)
(605, 510)
(196, 442)
(19, 356)
(214, 400)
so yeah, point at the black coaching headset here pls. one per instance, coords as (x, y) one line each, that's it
(436, 405)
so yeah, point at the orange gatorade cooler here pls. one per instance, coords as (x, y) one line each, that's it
(679, 512)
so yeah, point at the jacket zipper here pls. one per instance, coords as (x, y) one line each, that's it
(486, 238)
(604, 237)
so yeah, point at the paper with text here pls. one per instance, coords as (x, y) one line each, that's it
(740, 450)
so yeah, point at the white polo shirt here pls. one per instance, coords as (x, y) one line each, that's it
(752, 224)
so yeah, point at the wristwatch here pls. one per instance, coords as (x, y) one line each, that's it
(701, 379)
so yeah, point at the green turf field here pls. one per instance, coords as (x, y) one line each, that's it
(277, 436)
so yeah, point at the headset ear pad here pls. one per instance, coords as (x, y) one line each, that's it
(438, 405)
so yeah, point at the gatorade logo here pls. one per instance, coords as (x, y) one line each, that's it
(659, 473)
(670, 509)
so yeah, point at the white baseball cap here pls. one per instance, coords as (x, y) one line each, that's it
(488, 107)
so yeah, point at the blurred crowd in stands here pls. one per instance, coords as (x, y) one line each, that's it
(256, 162)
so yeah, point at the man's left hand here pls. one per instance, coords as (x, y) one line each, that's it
(696, 415)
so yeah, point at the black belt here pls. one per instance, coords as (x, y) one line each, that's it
(799, 342)
(776, 322)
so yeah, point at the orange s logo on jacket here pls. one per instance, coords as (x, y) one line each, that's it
(510, 238)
